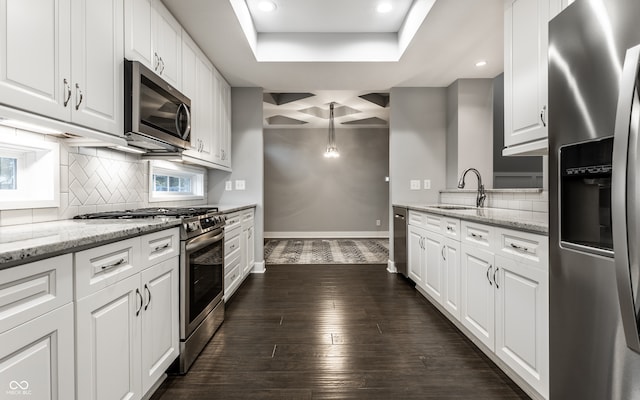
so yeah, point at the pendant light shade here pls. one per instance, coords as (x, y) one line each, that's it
(332, 148)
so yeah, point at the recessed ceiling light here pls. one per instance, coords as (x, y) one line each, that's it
(481, 63)
(384, 7)
(267, 6)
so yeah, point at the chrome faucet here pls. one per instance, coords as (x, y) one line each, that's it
(480, 198)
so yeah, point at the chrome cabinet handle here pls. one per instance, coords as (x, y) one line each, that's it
(494, 277)
(68, 87)
(450, 229)
(158, 248)
(156, 61)
(520, 248)
(475, 235)
(489, 279)
(442, 253)
(81, 96)
(161, 64)
(141, 301)
(543, 116)
(115, 264)
(146, 289)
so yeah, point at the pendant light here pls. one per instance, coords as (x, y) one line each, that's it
(332, 149)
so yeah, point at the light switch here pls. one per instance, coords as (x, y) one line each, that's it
(414, 184)
(427, 184)
(228, 185)
(239, 184)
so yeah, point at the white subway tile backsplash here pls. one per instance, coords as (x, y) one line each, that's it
(45, 214)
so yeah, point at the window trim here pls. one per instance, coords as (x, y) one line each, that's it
(198, 176)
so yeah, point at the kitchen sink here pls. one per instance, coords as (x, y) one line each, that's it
(451, 207)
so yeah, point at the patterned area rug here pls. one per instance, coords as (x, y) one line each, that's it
(326, 251)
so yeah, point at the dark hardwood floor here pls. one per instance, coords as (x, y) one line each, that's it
(337, 332)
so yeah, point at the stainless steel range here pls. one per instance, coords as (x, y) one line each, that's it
(201, 273)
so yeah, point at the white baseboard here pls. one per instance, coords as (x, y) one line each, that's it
(259, 268)
(326, 235)
(391, 267)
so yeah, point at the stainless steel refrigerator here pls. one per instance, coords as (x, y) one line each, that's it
(594, 201)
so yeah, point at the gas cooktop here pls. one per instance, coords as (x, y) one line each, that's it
(178, 212)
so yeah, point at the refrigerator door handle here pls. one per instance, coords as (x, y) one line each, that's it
(623, 187)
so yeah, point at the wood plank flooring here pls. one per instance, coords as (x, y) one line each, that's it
(337, 332)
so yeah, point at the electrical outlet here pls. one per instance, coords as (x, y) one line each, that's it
(427, 184)
(377, 222)
(228, 185)
(239, 184)
(414, 184)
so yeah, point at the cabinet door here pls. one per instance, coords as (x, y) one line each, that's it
(138, 32)
(434, 248)
(416, 254)
(477, 308)
(97, 64)
(35, 49)
(204, 108)
(37, 358)
(525, 72)
(160, 320)
(522, 321)
(223, 114)
(168, 43)
(451, 274)
(108, 342)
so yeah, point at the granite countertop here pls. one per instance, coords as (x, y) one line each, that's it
(531, 221)
(20, 244)
(230, 208)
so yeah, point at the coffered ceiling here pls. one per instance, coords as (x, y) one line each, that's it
(451, 36)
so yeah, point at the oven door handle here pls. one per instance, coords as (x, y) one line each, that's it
(204, 241)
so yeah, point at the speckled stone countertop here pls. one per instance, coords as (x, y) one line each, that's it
(20, 244)
(231, 208)
(531, 221)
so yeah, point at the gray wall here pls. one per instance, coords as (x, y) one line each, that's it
(247, 161)
(470, 130)
(508, 164)
(306, 192)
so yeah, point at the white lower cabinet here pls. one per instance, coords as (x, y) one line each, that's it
(36, 357)
(127, 332)
(494, 281)
(36, 330)
(248, 241)
(239, 249)
(522, 320)
(478, 296)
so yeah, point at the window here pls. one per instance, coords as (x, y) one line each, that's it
(29, 171)
(168, 181)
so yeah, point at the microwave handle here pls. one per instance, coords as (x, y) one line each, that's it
(623, 188)
(184, 135)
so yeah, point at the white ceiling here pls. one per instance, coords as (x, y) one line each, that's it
(453, 37)
(328, 16)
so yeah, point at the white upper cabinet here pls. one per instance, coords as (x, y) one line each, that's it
(63, 59)
(97, 70)
(222, 105)
(525, 75)
(153, 37)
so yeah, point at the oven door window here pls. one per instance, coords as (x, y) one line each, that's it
(206, 278)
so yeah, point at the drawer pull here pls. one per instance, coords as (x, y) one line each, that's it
(233, 246)
(115, 264)
(475, 235)
(158, 248)
(519, 248)
(450, 229)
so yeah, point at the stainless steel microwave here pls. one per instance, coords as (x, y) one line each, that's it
(157, 116)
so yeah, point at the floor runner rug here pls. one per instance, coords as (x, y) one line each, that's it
(326, 251)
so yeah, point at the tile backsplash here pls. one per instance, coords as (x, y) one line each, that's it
(94, 180)
(513, 199)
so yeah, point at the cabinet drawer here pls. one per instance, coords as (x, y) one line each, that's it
(477, 234)
(450, 227)
(160, 246)
(416, 218)
(232, 220)
(232, 241)
(247, 219)
(102, 266)
(231, 272)
(432, 222)
(523, 246)
(30, 290)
